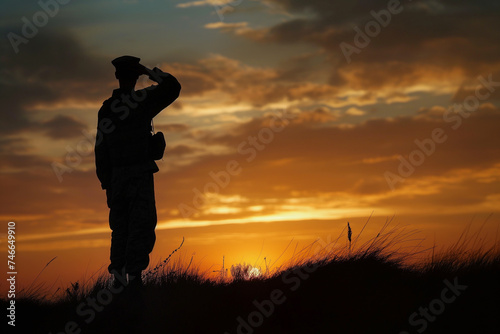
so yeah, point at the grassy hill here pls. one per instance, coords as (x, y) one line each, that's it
(371, 289)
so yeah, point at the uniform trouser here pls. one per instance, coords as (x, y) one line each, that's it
(132, 219)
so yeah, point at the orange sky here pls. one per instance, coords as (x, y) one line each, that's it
(277, 134)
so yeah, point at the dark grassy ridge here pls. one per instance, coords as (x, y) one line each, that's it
(365, 294)
(368, 291)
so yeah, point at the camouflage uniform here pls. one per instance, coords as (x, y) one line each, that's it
(125, 168)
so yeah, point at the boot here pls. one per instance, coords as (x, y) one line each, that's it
(135, 280)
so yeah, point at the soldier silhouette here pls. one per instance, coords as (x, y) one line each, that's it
(125, 163)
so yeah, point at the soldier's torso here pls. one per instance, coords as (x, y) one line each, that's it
(129, 132)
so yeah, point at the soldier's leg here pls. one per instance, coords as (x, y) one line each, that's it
(118, 222)
(142, 223)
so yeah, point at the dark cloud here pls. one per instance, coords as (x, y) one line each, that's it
(472, 87)
(172, 127)
(253, 85)
(57, 56)
(63, 127)
(179, 150)
(196, 78)
(428, 36)
(15, 154)
(16, 99)
(52, 67)
(15, 161)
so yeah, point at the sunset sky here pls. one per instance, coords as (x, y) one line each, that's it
(310, 113)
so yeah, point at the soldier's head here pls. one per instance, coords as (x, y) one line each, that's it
(127, 71)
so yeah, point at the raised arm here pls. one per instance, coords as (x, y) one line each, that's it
(160, 96)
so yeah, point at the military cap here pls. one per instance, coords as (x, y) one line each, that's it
(127, 66)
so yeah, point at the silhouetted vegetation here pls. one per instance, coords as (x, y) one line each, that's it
(371, 288)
